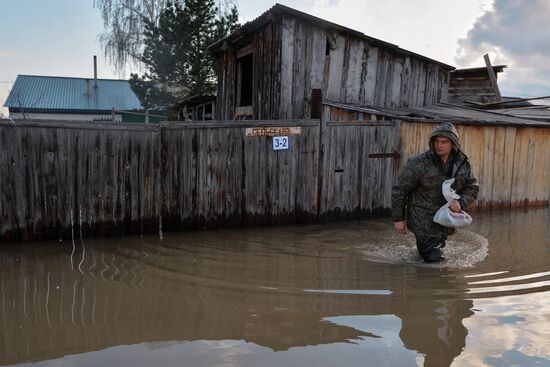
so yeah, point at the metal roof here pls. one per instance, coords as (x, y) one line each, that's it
(35, 92)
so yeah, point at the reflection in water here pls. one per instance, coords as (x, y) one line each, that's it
(308, 295)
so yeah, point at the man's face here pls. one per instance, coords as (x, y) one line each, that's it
(443, 146)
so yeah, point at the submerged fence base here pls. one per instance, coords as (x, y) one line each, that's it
(61, 180)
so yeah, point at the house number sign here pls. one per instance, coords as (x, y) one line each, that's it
(281, 142)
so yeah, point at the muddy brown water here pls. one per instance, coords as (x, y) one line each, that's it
(345, 294)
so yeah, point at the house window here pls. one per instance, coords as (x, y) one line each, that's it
(245, 78)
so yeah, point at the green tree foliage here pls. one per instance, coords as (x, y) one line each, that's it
(175, 51)
(152, 95)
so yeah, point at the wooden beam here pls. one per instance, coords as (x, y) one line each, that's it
(492, 77)
(497, 104)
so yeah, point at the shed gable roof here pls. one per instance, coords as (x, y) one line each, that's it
(35, 92)
(277, 10)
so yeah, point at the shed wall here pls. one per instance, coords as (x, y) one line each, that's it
(294, 56)
(473, 86)
(266, 46)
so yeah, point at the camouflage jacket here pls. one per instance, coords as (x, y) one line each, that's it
(417, 195)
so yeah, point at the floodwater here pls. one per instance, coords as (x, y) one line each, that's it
(346, 294)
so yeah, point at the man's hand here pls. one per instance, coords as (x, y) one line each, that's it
(455, 206)
(400, 227)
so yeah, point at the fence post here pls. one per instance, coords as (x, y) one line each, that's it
(160, 176)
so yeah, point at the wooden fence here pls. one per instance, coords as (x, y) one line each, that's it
(511, 163)
(61, 180)
(56, 178)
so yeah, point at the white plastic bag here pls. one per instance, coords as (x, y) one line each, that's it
(445, 216)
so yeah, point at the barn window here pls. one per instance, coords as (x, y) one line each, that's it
(245, 77)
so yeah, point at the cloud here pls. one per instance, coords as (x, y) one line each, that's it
(514, 33)
(408, 24)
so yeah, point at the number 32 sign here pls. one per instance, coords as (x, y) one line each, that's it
(281, 142)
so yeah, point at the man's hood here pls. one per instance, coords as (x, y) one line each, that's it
(447, 130)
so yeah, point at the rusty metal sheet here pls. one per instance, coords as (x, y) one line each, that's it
(273, 131)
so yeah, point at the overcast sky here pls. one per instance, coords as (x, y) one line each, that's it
(60, 37)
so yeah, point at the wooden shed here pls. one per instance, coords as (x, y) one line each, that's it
(472, 85)
(271, 67)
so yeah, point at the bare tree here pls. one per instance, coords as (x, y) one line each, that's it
(124, 22)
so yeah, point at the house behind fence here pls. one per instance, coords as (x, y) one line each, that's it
(37, 97)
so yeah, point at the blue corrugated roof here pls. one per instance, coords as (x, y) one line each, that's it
(62, 93)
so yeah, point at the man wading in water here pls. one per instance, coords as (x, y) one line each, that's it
(418, 191)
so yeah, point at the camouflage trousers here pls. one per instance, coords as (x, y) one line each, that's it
(430, 247)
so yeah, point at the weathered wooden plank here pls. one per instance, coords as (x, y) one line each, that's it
(287, 65)
(545, 152)
(406, 81)
(414, 82)
(388, 145)
(254, 180)
(395, 94)
(421, 89)
(306, 151)
(507, 166)
(498, 173)
(369, 86)
(382, 70)
(352, 89)
(299, 71)
(306, 83)
(259, 75)
(444, 78)
(267, 87)
(350, 161)
(318, 47)
(488, 144)
(532, 181)
(277, 71)
(335, 72)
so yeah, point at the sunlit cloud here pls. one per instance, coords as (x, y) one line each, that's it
(515, 34)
